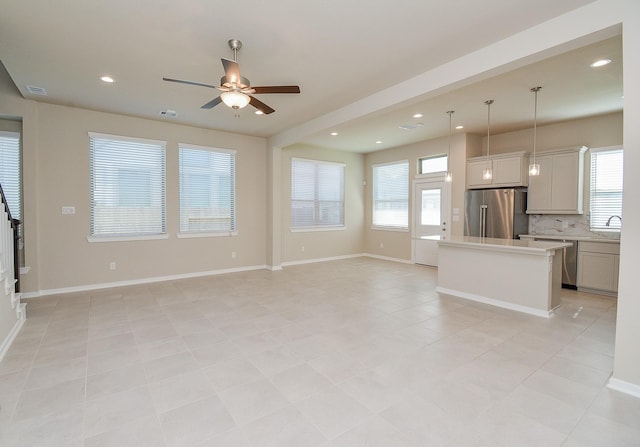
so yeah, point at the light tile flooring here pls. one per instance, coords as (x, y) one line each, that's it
(358, 352)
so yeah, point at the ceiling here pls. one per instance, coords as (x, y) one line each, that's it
(337, 52)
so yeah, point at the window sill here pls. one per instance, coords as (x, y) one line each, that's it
(127, 238)
(204, 234)
(312, 229)
(397, 229)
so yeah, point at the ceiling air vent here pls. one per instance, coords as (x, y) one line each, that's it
(169, 112)
(36, 90)
(408, 127)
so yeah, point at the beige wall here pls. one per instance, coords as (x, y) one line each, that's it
(324, 244)
(397, 244)
(56, 174)
(598, 131)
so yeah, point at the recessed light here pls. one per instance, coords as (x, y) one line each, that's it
(460, 127)
(259, 112)
(379, 142)
(600, 63)
(333, 134)
(418, 115)
(107, 79)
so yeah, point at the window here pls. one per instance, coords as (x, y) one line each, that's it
(127, 178)
(317, 194)
(606, 190)
(10, 170)
(207, 190)
(11, 180)
(433, 163)
(391, 195)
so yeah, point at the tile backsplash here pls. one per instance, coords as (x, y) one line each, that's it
(566, 225)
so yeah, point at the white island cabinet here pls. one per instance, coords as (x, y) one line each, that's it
(521, 275)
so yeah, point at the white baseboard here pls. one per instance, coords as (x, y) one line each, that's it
(87, 287)
(631, 389)
(134, 282)
(311, 261)
(494, 302)
(387, 258)
(11, 336)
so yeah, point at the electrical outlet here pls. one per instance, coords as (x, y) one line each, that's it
(302, 248)
(233, 255)
(68, 210)
(112, 265)
(381, 245)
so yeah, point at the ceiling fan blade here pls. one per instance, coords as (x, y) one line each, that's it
(260, 105)
(231, 71)
(180, 81)
(277, 89)
(211, 104)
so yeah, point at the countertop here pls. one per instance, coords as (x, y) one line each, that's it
(507, 245)
(573, 238)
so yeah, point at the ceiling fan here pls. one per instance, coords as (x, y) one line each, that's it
(237, 90)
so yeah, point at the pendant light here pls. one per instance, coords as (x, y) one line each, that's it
(447, 175)
(534, 168)
(487, 173)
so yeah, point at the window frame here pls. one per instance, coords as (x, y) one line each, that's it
(619, 194)
(233, 230)
(317, 225)
(432, 157)
(374, 200)
(160, 181)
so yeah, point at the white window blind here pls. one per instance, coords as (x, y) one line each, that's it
(10, 172)
(127, 178)
(391, 195)
(606, 190)
(207, 190)
(317, 194)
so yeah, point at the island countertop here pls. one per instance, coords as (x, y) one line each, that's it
(544, 248)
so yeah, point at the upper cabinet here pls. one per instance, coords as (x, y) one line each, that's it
(558, 188)
(508, 170)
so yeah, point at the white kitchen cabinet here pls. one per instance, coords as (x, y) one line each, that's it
(559, 187)
(508, 170)
(598, 265)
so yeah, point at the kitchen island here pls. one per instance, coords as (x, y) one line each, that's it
(521, 275)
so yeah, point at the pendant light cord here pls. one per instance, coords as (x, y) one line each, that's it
(535, 121)
(450, 112)
(488, 103)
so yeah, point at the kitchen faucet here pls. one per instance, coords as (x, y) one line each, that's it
(609, 220)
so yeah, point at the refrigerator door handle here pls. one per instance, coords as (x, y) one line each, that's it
(483, 221)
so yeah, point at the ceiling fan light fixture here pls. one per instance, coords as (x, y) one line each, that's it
(235, 100)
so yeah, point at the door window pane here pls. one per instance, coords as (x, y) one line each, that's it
(430, 206)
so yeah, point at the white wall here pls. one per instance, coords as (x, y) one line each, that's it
(626, 371)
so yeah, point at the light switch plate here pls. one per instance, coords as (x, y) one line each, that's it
(68, 210)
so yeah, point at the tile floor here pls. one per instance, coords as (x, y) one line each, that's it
(358, 352)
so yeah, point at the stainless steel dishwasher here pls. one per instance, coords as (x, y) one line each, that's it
(569, 262)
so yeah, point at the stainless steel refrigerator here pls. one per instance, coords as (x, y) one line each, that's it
(498, 213)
